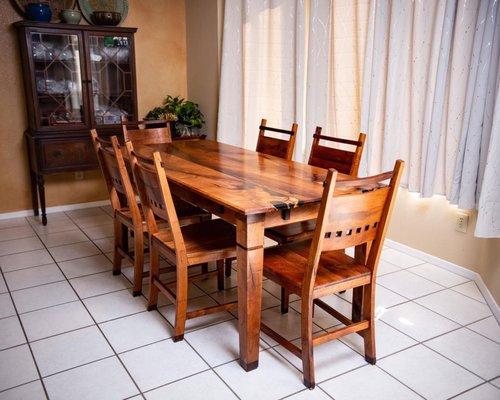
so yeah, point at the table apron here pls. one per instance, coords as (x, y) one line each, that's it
(271, 218)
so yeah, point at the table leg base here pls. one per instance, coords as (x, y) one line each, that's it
(249, 366)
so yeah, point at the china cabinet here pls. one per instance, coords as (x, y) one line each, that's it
(76, 78)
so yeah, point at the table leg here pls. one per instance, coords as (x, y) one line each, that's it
(250, 252)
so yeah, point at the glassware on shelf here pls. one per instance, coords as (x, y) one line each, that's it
(58, 78)
(111, 71)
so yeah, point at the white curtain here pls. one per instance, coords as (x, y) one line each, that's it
(419, 77)
(429, 93)
(291, 61)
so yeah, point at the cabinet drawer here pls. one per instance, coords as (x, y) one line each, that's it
(70, 155)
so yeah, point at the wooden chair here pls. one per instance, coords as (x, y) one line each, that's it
(183, 246)
(273, 146)
(147, 136)
(127, 212)
(319, 267)
(344, 161)
(155, 132)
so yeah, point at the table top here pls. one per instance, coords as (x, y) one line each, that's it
(242, 180)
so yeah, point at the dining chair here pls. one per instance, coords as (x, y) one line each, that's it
(352, 213)
(150, 133)
(282, 148)
(147, 136)
(344, 161)
(183, 246)
(127, 213)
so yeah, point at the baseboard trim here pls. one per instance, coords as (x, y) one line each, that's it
(449, 266)
(54, 209)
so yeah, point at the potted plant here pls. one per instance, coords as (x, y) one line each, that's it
(185, 116)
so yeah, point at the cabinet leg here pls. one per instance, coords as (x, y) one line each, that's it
(34, 193)
(41, 192)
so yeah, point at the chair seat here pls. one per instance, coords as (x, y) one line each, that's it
(297, 231)
(184, 210)
(205, 241)
(287, 265)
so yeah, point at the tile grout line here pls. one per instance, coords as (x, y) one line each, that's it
(274, 347)
(97, 325)
(466, 391)
(454, 362)
(25, 336)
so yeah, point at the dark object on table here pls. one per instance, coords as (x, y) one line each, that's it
(39, 12)
(106, 18)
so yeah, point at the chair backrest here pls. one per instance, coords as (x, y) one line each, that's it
(273, 146)
(146, 136)
(344, 161)
(356, 215)
(156, 196)
(144, 124)
(116, 175)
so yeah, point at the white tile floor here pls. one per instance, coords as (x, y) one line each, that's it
(71, 330)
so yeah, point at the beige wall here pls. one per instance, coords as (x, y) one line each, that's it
(429, 225)
(161, 69)
(203, 58)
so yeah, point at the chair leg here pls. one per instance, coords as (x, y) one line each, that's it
(307, 343)
(154, 273)
(357, 303)
(181, 295)
(368, 313)
(228, 263)
(220, 274)
(138, 264)
(285, 300)
(117, 258)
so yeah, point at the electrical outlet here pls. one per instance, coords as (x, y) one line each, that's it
(461, 222)
(78, 175)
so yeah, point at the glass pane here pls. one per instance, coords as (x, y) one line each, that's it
(111, 78)
(58, 78)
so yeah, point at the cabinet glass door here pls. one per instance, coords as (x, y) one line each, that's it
(111, 64)
(58, 79)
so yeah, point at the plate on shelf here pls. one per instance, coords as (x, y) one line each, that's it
(89, 6)
(56, 6)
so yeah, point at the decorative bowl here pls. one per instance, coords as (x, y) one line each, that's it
(39, 12)
(71, 16)
(106, 18)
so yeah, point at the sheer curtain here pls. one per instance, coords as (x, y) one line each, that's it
(419, 77)
(291, 61)
(429, 97)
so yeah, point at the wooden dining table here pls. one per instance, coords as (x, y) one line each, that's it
(253, 191)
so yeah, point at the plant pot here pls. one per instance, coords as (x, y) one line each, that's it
(184, 131)
(39, 12)
(71, 16)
